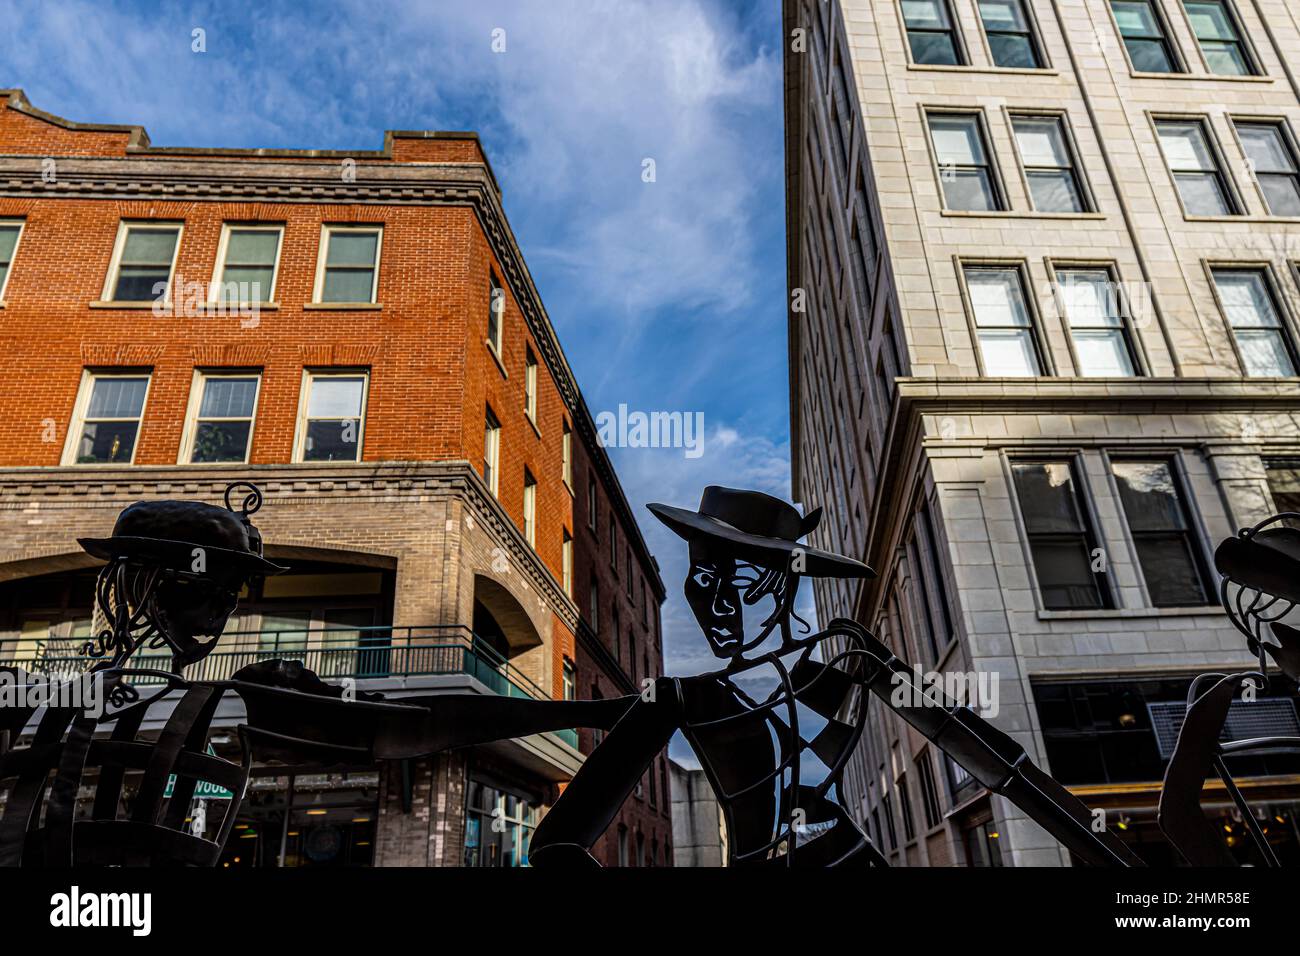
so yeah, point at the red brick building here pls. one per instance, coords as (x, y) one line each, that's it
(323, 323)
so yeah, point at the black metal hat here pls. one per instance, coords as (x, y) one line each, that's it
(168, 532)
(759, 528)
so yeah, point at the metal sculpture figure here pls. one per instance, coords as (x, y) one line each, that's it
(1260, 587)
(172, 579)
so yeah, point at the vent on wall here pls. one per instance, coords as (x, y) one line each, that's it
(1266, 717)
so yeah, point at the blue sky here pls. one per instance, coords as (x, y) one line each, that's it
(666, 295)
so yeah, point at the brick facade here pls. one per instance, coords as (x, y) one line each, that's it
(416, 501)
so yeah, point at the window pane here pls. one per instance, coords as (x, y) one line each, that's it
(1284, 483)
(1003, 15)
(1226, 59)
(221, 441)
(8, 241)
(335, 397)
(1013, 51)
(967, 190)
(246, 284)
(1170, 571)
(1040, 142)
(252, 247)
(1065, 577)
(1185, 147)
(348, 285)
(1046, 492)
(997, 297)
(1149, 56)
(1055, 191)
(933, 49)
(228, 398)
(1246, 299)
(154, 246)
(333, 440)
(137, 283)
(1266, 149)
(1089, 297)
(957, 140)
(1264, 353)
(107, 442)
(1203, 194)
(1008, 353)
(1103, 354)
(925, 13)
(1281, 192)
(1149, 495)
(1210, 21)
(352, 248)
(117, 398)
(1135, 18)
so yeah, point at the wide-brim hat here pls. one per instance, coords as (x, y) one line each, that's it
(759, 529)
(169, 532)
(1267, 560)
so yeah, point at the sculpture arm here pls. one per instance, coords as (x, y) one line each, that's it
(590, 801)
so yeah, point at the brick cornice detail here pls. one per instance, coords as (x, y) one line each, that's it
(120, 354)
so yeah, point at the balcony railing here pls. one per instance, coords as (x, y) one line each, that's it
(333, 653)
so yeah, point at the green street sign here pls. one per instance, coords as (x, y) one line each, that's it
(203, 790)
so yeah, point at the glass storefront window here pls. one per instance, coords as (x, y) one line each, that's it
(498, 826)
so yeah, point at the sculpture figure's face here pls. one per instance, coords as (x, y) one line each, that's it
(715, 589)
(192, 612)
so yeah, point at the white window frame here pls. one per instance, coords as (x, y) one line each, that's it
(566, 456)
(309, 375)
(530, 509)
(84, 390)
(219, 268)
(124, 227)
(22, 227)
(492, 450)
(566, 562)
(494, 283)
(530, 385)
(322, 255)
(197, 386)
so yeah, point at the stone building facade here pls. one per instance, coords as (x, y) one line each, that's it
(358, 334)
(1043, 350)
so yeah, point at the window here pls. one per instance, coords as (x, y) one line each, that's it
(9, 233)
(1195, 168)
(1061, 539)
(1002, 322)
(108, 420)
(566, 563)
(1010, 33)
(567, 680)
(349, 266)
(905, 806)
(496, 311)
(929, 795)
(530, 508)
(491, 451)
(594, 609)
(1158, 518)
(1220, 36)
(931, 34)
(613, 543)
(143, 262)
(964, 168)
(1090, 301)
(246, 264)
(592, 505)
(1049, 164)
(334, 419)
(887, 810)
(932, 592)
(498, 826)
(631, 656)
(622, 845)
(1273, 163)
(1256, 323)
(530, 385)
(1145, 36)
(981, 842)
(627, 563)
(566, 456)
(221, 426)
(1283, 477)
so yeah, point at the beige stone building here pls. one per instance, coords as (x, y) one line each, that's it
(1044, 260)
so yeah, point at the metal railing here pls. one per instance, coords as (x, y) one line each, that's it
(332, 653)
